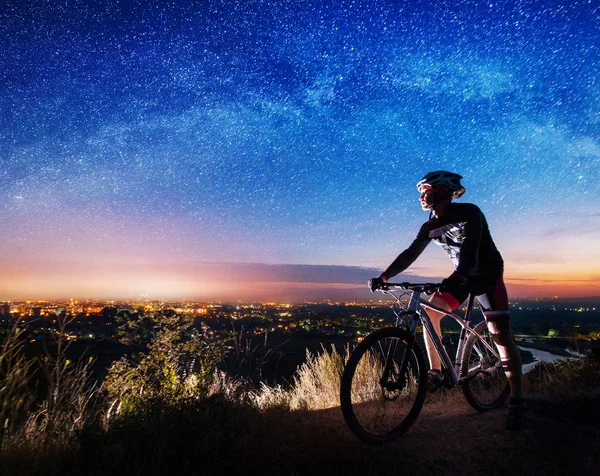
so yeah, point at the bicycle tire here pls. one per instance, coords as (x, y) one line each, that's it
(378, 411)
(488, 387)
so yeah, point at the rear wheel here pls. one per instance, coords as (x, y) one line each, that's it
(486, 386)
(383, 385)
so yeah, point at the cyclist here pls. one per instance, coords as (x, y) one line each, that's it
(462, 232)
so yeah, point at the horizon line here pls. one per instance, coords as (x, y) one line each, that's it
(226, 301)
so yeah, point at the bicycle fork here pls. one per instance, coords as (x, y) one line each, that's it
(389, 361)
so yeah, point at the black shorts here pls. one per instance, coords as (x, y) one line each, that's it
(491, 294)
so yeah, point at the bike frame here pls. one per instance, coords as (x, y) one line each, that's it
(417, 308)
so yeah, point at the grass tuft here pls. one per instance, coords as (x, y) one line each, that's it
(315, 386)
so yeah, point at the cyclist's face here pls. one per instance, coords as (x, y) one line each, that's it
(427, 198)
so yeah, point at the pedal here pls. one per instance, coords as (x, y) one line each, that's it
(435, 380)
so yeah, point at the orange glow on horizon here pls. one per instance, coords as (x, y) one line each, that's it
(246, 282)
(564, 285)
(278, 291)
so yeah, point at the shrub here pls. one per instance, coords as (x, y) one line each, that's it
(177, 363)
(564, 377)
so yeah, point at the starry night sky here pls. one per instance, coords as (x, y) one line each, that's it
(270, 149)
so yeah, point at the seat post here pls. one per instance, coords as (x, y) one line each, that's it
(469, 307)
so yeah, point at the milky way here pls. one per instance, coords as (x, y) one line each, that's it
(146, 136)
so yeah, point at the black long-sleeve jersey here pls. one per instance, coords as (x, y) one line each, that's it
(463, 233)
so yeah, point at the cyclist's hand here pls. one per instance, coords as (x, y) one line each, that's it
(452, 282)
(375, 283)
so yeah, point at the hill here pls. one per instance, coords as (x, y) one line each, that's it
(227, 434)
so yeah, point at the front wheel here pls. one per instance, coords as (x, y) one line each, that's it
(383, 385)
(485, 385)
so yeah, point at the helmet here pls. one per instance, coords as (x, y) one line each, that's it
(441, 177)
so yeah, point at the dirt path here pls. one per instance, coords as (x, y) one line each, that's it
(449, 438)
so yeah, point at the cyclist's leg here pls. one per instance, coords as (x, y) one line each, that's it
(448, 300)
(436, 319)
(497, 315)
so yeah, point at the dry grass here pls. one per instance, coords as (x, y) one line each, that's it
(48, 428)
(315, 386)
(16, 396)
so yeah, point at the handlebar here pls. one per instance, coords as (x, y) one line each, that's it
(427, 288)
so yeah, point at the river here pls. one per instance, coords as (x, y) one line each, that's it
(543, 356)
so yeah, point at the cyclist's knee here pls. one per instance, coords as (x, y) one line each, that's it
(441, 303)
(501, 334)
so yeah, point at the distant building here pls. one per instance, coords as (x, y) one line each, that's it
(5, 309)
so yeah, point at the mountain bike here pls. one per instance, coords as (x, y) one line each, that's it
(384, 382)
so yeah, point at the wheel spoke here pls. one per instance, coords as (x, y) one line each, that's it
(379, 403)
(485, 385)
